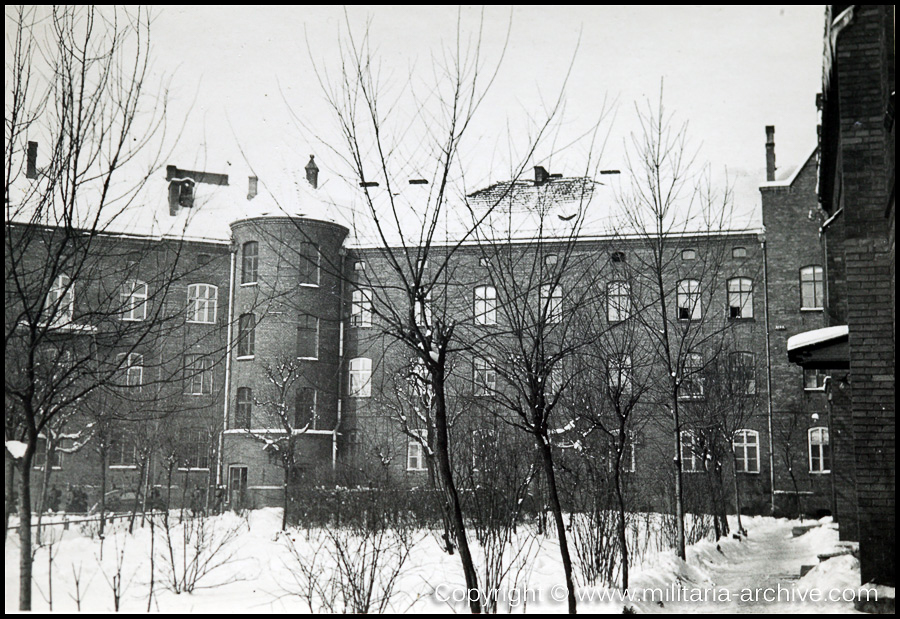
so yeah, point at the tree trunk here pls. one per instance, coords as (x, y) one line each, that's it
(679, 487)
(446, 473)
(25, 532)
(556, 507)
(620, 500)
(10, 494)
(737, 497)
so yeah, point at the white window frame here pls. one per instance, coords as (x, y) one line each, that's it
(61, 301)
(688, 440)
(133, 299)
(423, 311)
(415, 452)
(688, 254)
(820, 438)
(618, 310)
(485, 305)
(812, 275)
(195, 374)
(818, 374)
(738, 252)
(484, 377)
(315, 357)
(740, 297)
(360, 384)
(133, 366)
(41, 448)
(750, 386)
(317, 263)
(237, 407)
(742, 444)
(250, 264)
(620, 374)
(552, 300)
(361, 308)
(244, 335)
(687, 297)
(691, 374)
(202, 303)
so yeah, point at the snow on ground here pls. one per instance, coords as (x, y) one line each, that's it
(259, 574)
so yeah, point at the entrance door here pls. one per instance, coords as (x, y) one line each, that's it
(237, 486)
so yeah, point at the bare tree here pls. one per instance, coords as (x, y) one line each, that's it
(668, 205)
(76, 82)
(389, 137)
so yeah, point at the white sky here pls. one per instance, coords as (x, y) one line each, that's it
(728, 72)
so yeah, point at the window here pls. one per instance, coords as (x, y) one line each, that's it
(359, 265)
(250, 263)
(485, 305)
(688, 300)
(133, 299)
(688, 254)
(617, 256)
(195, 453)
(308, 337)
(551, 302)
(692, 381)
(305, 414)
(61, 301)
(415, 452)
(40, 455)
(550, 260)
(813, 380)
(746, 451)
(120, 451)
(740, 298)
(484, 262)
(309, 263)
(198, 375)
(819, 451)
(812, 288)
(485, 377)
(423, 311)
(620, 375)
(618, 296)
(691, 452)
(360, 377)
(202, 299)
(743, 373)
(627, 461)
(132, 367)
(361, 308)
(243, 408)
(739, 252)
(246, 335)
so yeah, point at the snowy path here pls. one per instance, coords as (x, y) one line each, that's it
(761, 574)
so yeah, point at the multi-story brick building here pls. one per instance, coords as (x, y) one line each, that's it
(283, 337)
(856, 188)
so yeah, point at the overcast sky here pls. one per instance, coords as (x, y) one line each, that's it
(728, 72)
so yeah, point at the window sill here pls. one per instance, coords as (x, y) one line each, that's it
(812, 309)
(308, 285)
(123, 467)
(249, 284)
(197, 395)
(200, 322)
(748, 472)
(245, 358)
(820, 472)
(742, 319)
(132, 319)
(814, 389)
(417, 470)
(41, 468)
(307, 358)
(193, 468)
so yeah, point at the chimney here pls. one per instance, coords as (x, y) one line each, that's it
(540, 175)
(770, 153)
(31, 161)
(312, 172)
(252, 187)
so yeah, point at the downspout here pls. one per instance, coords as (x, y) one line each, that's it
(337, 424)
(769, 412)
(220, 468)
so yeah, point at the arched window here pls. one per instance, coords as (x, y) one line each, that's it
(819, 451)
(250, 263)
(746, 451)
(740, 298)
(202, 302)
(688, 300)
(360, 377)
(739, 252)
(812, 288)
(485, 305)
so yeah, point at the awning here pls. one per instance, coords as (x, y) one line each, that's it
(827, 348)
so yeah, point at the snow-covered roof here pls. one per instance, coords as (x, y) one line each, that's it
(817, 336)
(787, 182)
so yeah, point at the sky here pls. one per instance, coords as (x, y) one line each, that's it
(247, 81)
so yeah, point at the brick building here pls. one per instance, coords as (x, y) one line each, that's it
(281, 340)
(856, 189)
